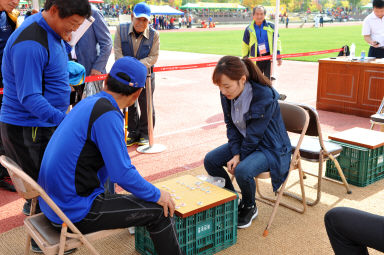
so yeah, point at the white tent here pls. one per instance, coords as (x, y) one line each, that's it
(367, 6)
(164, 10)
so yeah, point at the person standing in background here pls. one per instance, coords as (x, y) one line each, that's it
(373, 30)
(141, 41)
(94, 48)
(258, 40)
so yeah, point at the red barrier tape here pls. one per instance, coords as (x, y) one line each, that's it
(211, 64)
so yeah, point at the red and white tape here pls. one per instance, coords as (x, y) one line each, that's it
(212, 64)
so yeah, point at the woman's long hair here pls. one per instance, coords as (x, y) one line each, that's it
(234, 68)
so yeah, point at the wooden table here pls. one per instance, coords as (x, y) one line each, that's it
(350, 87)
(362, 137)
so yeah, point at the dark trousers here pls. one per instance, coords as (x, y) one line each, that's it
(376, 52)
(3, 171)
(138, 124)
(123, 211)
(265, 67)
(351, 231)
(253, 165)
(26, 146)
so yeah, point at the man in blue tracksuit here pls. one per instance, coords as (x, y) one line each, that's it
(8, 24)
(87, 148)
(36, 85)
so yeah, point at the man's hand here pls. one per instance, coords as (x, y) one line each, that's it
(95, 72)
(232, 164)
(279, 62)
(375, 44)
(167, 203)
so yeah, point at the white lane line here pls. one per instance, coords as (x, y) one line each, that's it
(190, 129)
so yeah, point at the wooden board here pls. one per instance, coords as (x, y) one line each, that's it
(193, 195)
(362, 137)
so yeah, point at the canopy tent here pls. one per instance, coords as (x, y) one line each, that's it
(23, 2)
(164, 10)
(367, 6)
(201, 5)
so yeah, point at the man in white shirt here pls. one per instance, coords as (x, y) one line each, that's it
(373, 30)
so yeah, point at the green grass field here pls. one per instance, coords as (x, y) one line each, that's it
(294, 40)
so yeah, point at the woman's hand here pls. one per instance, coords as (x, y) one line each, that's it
(231, 165)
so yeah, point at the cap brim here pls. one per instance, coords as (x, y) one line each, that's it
(142, 16)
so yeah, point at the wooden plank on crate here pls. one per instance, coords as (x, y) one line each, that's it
(192, 195)
(362, 137)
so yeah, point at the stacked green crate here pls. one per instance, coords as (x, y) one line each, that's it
(361, 166)
(203, 233)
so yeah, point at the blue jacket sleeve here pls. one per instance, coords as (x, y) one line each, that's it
(29, 60)
(234, 137)
(103, 37)
(107, 133)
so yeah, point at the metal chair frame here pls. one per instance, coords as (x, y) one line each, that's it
(39, 227)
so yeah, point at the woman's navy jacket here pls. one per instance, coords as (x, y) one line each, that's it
(265, 131)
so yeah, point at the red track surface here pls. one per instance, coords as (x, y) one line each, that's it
(189, 119)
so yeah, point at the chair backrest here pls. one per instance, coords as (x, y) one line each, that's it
(29, 188)
(23, 183)
(314, 128)
(295, 118)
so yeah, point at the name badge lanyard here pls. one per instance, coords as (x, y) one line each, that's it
(261, 45)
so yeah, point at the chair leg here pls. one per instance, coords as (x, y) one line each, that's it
(28, 244)
(340, 173)
(372, 125)
(63, 238)
(271, 218)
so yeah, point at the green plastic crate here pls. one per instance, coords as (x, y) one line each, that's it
(361, 166)
(205, 232)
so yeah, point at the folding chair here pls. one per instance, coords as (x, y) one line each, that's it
(296, 120)
(378, 117)
(39, 227)
(315, 149)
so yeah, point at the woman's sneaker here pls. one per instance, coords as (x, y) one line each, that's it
(246, 215)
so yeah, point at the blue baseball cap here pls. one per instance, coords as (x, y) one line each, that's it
(132, 67)
(142, 10)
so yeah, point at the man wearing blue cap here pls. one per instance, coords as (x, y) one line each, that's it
(87, 148)
(141, 41)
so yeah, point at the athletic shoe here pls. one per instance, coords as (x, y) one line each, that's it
(246, 215)
(27, 208)
(131, 141)
(143, 141)
(7, 184)
(35, 248)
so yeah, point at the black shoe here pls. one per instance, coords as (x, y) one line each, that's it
(27, 208)
(246, 215)
(7, 184)
(282, 97)
(131, 141)
(143, 141)
(35, 248)
(240, 206)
